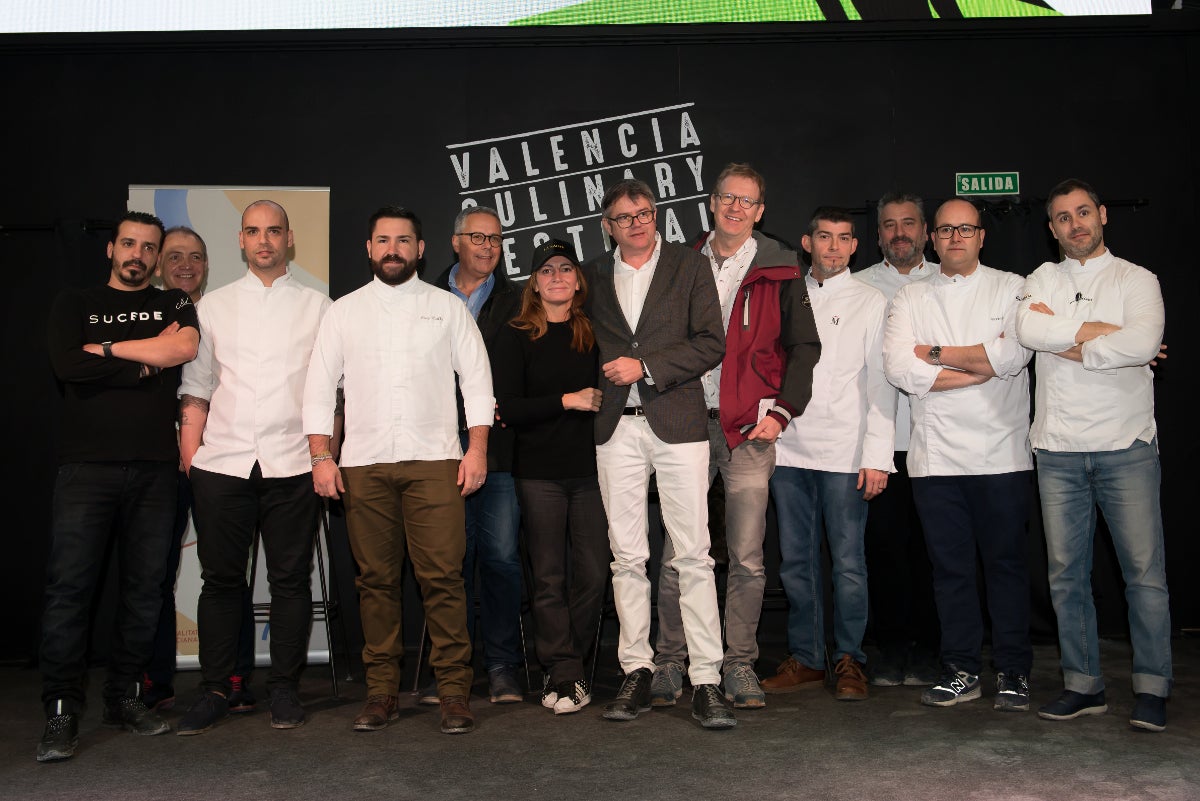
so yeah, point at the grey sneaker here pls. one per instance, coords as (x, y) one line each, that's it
(742, 688)
(503, 687)
(667, 685)
(954, 687)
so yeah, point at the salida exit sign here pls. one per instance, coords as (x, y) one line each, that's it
(987, 183)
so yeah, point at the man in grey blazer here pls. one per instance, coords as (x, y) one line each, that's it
(657, 321)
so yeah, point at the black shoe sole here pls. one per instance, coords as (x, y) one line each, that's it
(58, 754)
(715, 723)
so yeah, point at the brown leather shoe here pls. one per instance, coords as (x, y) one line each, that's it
(376, 713)
(852, 680)
(792, 676)
(456, 715)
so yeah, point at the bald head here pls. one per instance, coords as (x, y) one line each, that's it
(958, 236)
(265, 239)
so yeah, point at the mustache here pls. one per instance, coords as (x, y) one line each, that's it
(901, 238)
(393, 259)
(134, 263)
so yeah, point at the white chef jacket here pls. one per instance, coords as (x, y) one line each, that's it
(399, 348)
(975, 430)
(850, 422)
(255, 342)
(1107, 402)
(888, 280)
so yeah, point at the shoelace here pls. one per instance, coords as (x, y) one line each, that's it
(629, 687)
(744, 679)
(710, 695)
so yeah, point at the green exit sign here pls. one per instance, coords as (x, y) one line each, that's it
(987, 183)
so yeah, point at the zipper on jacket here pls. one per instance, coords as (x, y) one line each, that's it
(746, 309)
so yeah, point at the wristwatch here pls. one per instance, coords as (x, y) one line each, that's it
(935, 355)
(107, 349)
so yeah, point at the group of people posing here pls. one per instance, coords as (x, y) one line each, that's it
(886, 412)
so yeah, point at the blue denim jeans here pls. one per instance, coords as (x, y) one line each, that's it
(1124, 484)
(493, 520)
(93, 502)
(803, 500)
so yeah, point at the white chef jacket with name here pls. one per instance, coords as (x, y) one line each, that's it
(850, 422)
(1106, 402)
(976, 430)
(888, 280)
(255, 342)
(399, 348)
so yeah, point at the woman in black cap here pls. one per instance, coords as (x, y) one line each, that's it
(545, 367)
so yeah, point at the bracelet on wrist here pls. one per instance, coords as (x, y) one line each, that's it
(319, 457)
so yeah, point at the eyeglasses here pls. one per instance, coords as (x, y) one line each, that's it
(727, 199)
(562, 269)
(626, 220)
(477, 238)
(966, 230)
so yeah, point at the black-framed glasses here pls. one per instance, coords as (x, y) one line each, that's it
(562, 269)
(478, 238)
(966, 230)
(727, 199)
(626, 220)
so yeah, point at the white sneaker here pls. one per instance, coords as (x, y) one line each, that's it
(572, 697)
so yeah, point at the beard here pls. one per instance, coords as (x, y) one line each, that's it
(128, 278)
(912, 259)
(1084, 250)
(393, 270)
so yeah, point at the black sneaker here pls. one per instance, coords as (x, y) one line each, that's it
(954, 687)
(633, 698)
(210, 709)
(708, 707)
(286, 712)
(1071, 705)
(156, 696)
(503, 685)
(241, 697)
(572, 697)
(59, 738)
(132, 715)
(1149, 712)
(1012, 692)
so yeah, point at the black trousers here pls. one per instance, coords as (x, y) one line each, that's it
(226, 513)
(566, 535)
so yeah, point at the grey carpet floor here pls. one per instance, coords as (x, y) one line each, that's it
(802, 746)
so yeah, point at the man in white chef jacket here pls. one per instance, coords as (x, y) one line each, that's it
(951, 343)
(1096, 322)
(830, 464)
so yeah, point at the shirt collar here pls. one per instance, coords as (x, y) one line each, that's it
(252, 281)
(920, 270)
(1091, 265)
(620, 264)
(828, 283)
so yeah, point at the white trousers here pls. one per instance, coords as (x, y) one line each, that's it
(625, 464)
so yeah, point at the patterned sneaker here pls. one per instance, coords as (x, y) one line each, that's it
(742, 688)
(549, 692)
(572, 697)
(1012, 692)
(61, 735)
(132, 715)
(241, 697)
(954, 687)
(667, 684)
